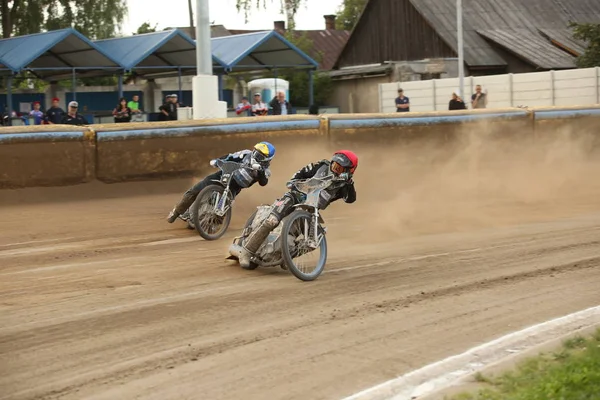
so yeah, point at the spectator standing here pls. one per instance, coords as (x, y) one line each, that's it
(259, 108)
(479, 98)
(134, 106)
(402, 102)
(168, 110)
(54, 114)
(280, 105)
(244, 109)
(176, 101)
(37, 114)
(122, 112)
(174, 106)
(456, 103)
(72, 117)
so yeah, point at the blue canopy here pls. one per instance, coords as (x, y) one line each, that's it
(54, 55)
(156, 53)
(259, 50)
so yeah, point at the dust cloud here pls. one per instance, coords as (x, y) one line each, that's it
(483, 178)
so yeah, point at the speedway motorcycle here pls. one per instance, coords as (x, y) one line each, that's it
(210, 214)
(300, 234)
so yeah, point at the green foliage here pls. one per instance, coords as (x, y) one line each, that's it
(299, 80)
(289, 8)
(589, 33)
(349, 13)
(95, 19)
(572, 373)
(145, 28)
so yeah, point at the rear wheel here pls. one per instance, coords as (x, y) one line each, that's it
(297, 257)
(208, 224)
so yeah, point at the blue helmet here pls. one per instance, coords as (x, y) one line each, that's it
(263, 151)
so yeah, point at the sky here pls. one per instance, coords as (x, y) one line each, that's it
(223, 12)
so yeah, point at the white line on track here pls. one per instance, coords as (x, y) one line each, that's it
(418, 258)
(171, 241)
(26, 250)
(442, 374)
(72, 265)
(36, 241)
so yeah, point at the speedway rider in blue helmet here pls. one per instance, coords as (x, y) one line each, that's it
(261, 154)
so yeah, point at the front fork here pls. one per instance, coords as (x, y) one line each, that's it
(311, 231)
(220, 207)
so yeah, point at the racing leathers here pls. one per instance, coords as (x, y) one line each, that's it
(340, 189)
(243, 157)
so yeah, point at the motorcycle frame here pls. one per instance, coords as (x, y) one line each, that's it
(220, 207)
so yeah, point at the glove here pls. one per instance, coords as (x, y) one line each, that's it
(345, 176)
(289, 184)
(213, 163)
(256, 167)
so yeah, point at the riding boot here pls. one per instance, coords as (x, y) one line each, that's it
(185, 203)
(256, 239)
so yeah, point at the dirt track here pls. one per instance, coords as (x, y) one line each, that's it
(101, 299)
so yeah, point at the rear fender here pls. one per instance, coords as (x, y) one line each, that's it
(310, 209)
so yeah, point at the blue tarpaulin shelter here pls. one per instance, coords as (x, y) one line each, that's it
(53, 56)
(66, 53)
(259, 50)
(262, 50)
(156, 54)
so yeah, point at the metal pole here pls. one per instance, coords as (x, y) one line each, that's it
(203, 48)
(180, 85)
(9, 98)
(220, 86)
(120, 86)
(275, 80)
(311, 96)
(74, 85)
(461, 57)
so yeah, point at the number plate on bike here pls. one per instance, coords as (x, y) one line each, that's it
(312, 198)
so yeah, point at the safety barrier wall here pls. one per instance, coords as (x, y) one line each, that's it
(389, 129)
(153, 151)
(110, 153)
(573, 122)
(52, 157)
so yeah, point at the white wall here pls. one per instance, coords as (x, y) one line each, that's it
(552, 88)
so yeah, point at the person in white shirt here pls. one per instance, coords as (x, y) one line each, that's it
(280, 105)
(259, 108)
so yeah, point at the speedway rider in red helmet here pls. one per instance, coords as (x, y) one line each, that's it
(342, 165)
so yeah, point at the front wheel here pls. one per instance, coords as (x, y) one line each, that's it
(208, 224)
(296, 228)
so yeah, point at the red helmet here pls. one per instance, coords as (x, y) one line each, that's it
(344, 161)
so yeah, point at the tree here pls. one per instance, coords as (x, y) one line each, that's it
(299, 82)
(289, 8)
(589, 33)
(349, 13)
(96, 19)
(146, 28)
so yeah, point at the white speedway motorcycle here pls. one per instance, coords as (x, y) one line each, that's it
(298, 235)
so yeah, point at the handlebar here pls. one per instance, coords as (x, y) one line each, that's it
(311, 184)
(231, 166)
